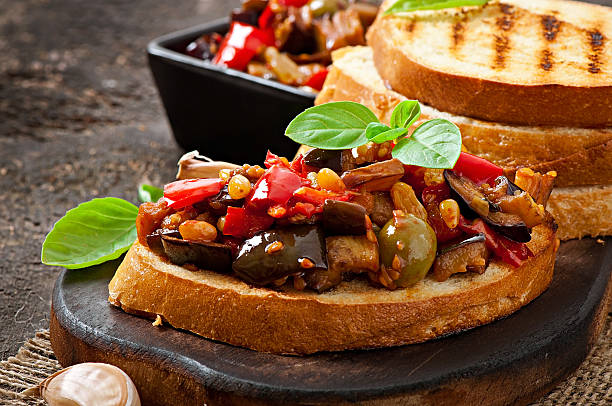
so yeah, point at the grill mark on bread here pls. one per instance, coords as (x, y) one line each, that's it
(458, 29)
(505, 23)
(550, 28)
(546, 62)
(596, 42)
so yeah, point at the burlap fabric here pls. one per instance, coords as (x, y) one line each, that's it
(591, 384)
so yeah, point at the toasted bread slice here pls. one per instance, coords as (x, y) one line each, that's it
(582, 211)
(580, 156)
(352, 315)
(545, 62)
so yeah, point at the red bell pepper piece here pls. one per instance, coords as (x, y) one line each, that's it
(274, 188)
(184, 193)
(244, 223)
(266, 17)
(435, 193)
(432, 196)
(241, 44)
(273, 159)
(477, 169)
(305, 209)
(318, 197)
(293, 3)
(317, 79)
(511, 252)
(415, 177)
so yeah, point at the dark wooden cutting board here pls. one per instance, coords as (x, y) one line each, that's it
(514, 360)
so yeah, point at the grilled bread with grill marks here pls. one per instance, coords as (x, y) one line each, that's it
(544, 62)
(352, 315)
(580, 204)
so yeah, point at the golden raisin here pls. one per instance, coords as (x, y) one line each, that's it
(433, 177)
(239, 187)
(449, 210)
(328, 179)
(225, 174)
(221, 223)
(199, 231)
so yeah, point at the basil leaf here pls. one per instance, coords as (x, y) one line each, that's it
(338, 125)
(434, 144)
(404, 6)
(405, 114)
(92, 233)
(374, 129)
(148, 193)
(380, 133)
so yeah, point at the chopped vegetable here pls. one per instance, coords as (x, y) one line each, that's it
(243, 223)
(241, 44)
(477, 169)
(275, 187)
(186, 192)
(511, 252)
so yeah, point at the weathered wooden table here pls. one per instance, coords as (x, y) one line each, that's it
(79, 118)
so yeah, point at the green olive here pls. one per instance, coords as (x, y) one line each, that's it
(415, 244)
(320, 7)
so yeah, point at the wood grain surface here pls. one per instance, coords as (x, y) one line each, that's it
(514, 360)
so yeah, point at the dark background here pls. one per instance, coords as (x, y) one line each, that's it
(79, 118)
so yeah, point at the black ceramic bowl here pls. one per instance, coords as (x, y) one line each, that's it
(225, 114)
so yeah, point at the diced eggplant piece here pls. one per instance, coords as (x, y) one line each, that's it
(473, 202)
(468, 195)
(379, 176)
(512, 199)
(294, 33)
(351, 253)
(337, 161)
(342, 29)
(261, 260)
(219, 203)
(323, 279)
(344, 254)
(382, 208)
(468, 255)
(343, 218)
(210, 256)
(539, 186)
(154, 240)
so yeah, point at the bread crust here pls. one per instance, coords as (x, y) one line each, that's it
(581, 156)
(544, 103)
(353, 315)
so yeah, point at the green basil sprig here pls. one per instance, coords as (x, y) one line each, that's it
(434, 144)
(148, 193)
(339, 125)
(92, 233)
(405, 6)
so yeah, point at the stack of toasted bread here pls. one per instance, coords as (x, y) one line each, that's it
(528, 82)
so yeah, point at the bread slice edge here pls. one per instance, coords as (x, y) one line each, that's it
(352, 316)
